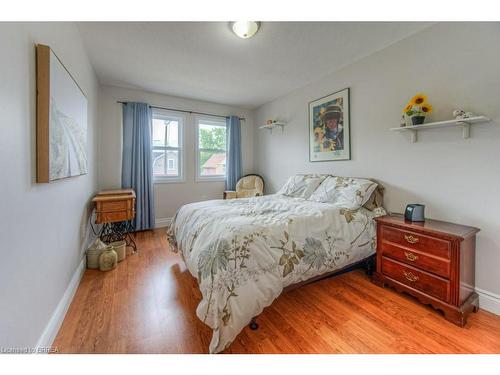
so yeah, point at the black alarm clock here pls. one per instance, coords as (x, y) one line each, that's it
(415, 212)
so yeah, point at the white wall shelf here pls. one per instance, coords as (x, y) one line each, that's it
(274, 125)
(463, 123)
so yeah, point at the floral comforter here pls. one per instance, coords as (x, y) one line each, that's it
(245, 251)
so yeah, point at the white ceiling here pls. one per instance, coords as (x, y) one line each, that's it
(206, 61)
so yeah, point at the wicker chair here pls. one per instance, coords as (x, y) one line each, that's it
(250, 185)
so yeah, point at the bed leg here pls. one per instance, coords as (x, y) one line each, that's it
(253, 324)
(370, 265)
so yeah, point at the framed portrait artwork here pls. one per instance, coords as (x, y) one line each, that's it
(329, 127)
(61, 134)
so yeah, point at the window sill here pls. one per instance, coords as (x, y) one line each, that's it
(168, 180)
(209, 179)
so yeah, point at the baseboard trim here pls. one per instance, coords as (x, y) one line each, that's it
(489, 301)
(50, 332)
(165, 222)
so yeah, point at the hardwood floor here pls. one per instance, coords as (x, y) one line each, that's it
(148, 304)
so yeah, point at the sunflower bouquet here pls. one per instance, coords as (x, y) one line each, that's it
(417, 109)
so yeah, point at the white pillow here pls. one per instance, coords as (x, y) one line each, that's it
(301, 185)
(345, 192)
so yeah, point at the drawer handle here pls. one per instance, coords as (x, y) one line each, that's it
(410, 256)
(410, 238)
(410, 276)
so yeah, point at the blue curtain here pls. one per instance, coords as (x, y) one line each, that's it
(137, 168)
(233, 165)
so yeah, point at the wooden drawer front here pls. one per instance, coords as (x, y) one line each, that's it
(111, 217)
(112, 206)
(415, 278)
(420, 242)
(424, 261)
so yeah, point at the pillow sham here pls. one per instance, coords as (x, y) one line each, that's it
(301, 185)
(376, 200)
(346, 192)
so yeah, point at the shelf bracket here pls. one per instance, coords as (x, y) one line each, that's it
(413, 136)
(465, 129)
(281, 126)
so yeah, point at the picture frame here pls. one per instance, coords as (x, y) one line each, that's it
(61, 120)
(330, 127)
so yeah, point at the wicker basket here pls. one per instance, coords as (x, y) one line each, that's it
(121, 249)
(93, 253)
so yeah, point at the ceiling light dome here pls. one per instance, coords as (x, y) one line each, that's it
(245, 29)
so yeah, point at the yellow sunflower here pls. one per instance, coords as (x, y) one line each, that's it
(418, 99)
(426, 108)
(408, 107)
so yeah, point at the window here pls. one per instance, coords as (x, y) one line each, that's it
(167, 146)
(211, 148)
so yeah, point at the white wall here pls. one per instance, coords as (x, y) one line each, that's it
(457, 179)
(168, 196)
(43, 227)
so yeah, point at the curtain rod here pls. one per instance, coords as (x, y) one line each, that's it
(184, 111)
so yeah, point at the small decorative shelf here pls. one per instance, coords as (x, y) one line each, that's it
(274, 125)
(463, 123)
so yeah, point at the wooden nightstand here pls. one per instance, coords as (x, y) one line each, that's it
(432, 260)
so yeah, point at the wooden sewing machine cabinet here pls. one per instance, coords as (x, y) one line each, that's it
(115, 210)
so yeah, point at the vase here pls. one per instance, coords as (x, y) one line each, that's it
(108, 259)
(417, 120)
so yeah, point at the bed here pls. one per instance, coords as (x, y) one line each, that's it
(245, 252)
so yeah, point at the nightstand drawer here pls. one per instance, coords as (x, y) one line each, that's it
(111, 206)
(415, 278)
(415, 258)
(410, 240)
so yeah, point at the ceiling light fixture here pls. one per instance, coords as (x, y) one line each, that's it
(245, 29)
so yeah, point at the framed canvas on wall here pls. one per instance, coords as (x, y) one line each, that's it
(61, 120)
(329, 127)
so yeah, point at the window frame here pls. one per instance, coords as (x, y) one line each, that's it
(171, 168)
(181, 120)
(208, 120)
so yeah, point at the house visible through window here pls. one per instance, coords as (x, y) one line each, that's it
(211, 148)
(167, 146)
